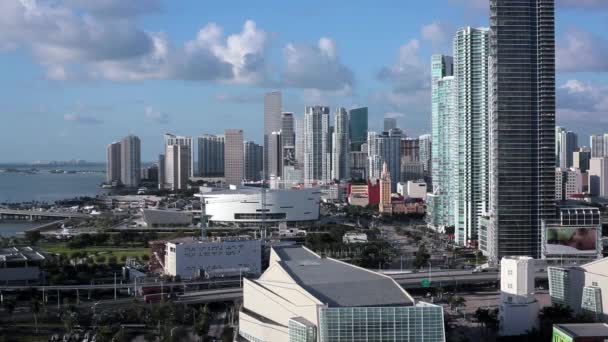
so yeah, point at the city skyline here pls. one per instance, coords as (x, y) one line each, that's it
(100, 90)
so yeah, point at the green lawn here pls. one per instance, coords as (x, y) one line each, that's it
(118, 252)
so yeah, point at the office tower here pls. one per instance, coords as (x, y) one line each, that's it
(172, 139)
(161, 171)
(471, 50)
(440, 203)
(411, 171)
(410, 149)
(299, 127)
(357, 127)
(598, 177)
(385, 147)
(113, 163)
(150, 173)
(425, 155)
(130, 161)
(522, 125)
(599, 145)
(177, 166)
(568, 184)
(316, 145)
(390, 123)
(211, 155)
(288, 141)
(272, 123)
(341, 146)
(385, 205)
(233, 157)
(580, 160)
(558, 144)
(275, 155)
(568, 144)
(254, 160)
(358, 164)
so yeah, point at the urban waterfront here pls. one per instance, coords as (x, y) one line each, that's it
(45, 186)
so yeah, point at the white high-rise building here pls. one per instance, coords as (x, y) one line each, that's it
(568, 183)
(317, 156)
(518, 307)
(272, 123)
(234, 155)
(341, 146)
(599, 145)
(113, 163)
(172, 139)
(598, 177)
(177, 166)
(130, 161)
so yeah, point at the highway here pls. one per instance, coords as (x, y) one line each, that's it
(118, 285)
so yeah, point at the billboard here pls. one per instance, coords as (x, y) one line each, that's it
(570, 240)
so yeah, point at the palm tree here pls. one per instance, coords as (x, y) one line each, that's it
(35, 307)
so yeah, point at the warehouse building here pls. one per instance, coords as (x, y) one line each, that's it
(20, 265)
(211, 258)
(305, 297)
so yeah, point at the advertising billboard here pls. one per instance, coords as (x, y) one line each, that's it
(571, 240)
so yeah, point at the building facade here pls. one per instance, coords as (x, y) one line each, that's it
(234, 167)
(211, 155)
(390, 123)
(598, 177)
(254, 161)
(177, 166)
(288, 141)
(518, 311)
(341, 146)
(522, 125)
(471, 51)
(599, 145)
(425, 156)
(172, 139)
(357, 127)
(113, 163)
(130, 161)
(272, 123)
(385, 147)
(317, 166)
(568, 144)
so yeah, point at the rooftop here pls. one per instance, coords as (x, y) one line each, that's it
(339, 284)
(20, 254)
(584, 329)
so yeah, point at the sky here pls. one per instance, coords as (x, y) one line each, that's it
(79, 74)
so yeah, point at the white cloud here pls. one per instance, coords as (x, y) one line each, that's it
(408, 73)
(156, 116)
(116, 8)
(316, 67)
(580, 102)
(439, 34)
(582, 51)
(80, 119)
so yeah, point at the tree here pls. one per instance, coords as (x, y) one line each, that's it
(35, 307)
(457, 302)
(422, 257)
(33, 236)
(202, 324)
(100, 259)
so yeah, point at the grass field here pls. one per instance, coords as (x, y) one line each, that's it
(92, 251)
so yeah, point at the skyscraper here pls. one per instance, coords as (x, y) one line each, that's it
(172, 139)
(599, 145)
(254, 157)
(130, 161)
(598, 177)
(299, 128)
(113, 163)
(234, 155)
(390, 123)
(471, 51)
(580, 160)
(275, 155)
(558, 144)
(272, 123)
(317, 165)
(357, 127)
(385, 205)
(522, 125)
(425, 156)
(440, 207)
(177, 166)
(410, 149)
(211, 155)
(288, 141)
(568, 144)
(385, 147)
(161, 171)
(341, 146)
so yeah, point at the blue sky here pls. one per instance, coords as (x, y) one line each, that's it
(78, 74)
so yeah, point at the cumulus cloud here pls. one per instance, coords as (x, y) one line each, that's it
(408, 73)
(116, 8)
(81, 119)
(155, 116)
(318, 67)
(439, 34)
(582, 51)
(583, 4)
(579, 101)
(238, 98)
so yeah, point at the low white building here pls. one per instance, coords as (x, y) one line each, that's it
(416, 189)
(518, 305)
(192, 257)
(354, 237)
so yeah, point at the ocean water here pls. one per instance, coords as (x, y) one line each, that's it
(50, 187)
(13, 228)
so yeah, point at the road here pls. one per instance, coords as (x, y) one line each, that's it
(34, 213)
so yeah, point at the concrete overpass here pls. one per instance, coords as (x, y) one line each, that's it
(31, 214)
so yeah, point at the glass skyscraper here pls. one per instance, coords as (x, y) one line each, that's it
(471, 50)
(440, 202)
(357, 129)
(522, 125)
